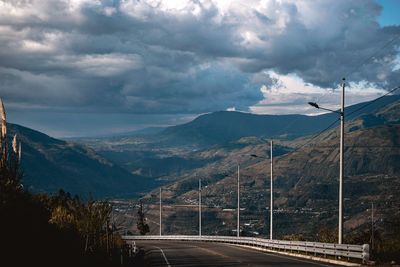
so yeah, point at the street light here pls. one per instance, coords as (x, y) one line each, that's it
(160, 212)
(238, 202)
(315, 105)
(200, 207)
(341, 168)
(271, 209)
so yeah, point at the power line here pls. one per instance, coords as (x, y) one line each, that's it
(376, 99)
(359, 146)
(375, 53)
(354, 111)
(315, 136)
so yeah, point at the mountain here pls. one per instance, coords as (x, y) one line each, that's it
(146, 131)
(305, 182)
(226, 126)
(50, 164)
(174, 151)
(223, 127)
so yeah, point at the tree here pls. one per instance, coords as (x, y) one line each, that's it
(327, 234)
(142, 226)
(59, 228)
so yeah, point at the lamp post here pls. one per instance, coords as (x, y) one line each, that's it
(271, 208)
(199, 206)
(160, 211)
(238, 202)
(341, 158)
(272, 197)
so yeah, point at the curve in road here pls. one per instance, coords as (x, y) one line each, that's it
(175, 253)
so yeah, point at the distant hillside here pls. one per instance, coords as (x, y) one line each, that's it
(146, 131)
(174, 151)
(50, 164)
(306, 180)
(226, 126)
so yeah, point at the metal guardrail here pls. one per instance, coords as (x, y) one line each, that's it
(317, 248)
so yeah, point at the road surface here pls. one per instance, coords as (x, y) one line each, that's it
(175, 253)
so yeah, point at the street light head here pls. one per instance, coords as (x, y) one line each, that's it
(254, 156)
(315, 105)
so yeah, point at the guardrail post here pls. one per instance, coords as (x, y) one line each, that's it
(336, 256)
(365, 253)
(315, 249)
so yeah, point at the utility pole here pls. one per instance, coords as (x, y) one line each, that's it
(372, 227)
(238, 201)
(160, 212)
(340, 237)
(199, 206)
(112, 226)
(107, 241)
(271, 209)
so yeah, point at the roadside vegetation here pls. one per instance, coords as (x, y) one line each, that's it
(50, 230)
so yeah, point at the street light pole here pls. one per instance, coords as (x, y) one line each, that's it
(199, 206)
(372, 227)
(238, 202)
(340, 237)
(271, 207)
(160, 212)
(272, 197)
(341, 158)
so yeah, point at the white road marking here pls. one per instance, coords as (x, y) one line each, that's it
(165, 257)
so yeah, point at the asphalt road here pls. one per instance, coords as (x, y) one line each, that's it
(169, 254)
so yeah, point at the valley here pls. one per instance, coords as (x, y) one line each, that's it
(132, 167)
(306, 181)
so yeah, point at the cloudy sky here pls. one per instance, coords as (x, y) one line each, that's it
(91, 67)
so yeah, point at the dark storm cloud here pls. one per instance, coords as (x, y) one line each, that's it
(154, 57)
(324, 47)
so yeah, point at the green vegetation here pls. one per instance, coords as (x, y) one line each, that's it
(142, 226)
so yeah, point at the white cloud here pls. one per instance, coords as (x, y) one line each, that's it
(192, 56)
(289, 94)
(107, 64)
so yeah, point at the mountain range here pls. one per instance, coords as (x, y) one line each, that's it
(226, 126)
(169, 153)
(50, 164)
(130, 165)
(305, 181)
